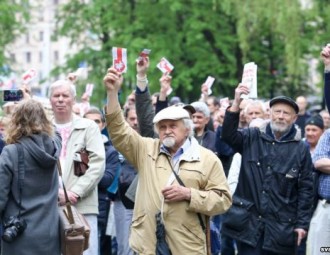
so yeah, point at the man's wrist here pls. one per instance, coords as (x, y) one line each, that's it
(327, 69)
(141, 82)
(234, 107)
(141, 77)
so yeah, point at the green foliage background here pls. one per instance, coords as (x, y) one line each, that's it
(200, 38)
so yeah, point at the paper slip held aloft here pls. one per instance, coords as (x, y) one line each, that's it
(143, 54)
(29, 76)
(209, 82)
(165, 66)
(119, 59)
(89, 89)
(249, 78)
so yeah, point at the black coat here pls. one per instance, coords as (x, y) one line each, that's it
(274, 191)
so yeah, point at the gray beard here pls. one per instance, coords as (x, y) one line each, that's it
(169, 142)
(279, 129)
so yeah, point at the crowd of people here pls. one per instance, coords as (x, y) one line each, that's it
(213, 176)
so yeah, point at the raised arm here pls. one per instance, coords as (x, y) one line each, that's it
(144, 109)
(325, 54)
(230, 134)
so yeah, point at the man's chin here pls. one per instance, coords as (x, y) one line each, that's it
(169, 142)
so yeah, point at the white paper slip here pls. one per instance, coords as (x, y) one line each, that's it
(165, 66)
(119, 58)
(89, 89)
(29, 76)
(249, 78)
(209, 82)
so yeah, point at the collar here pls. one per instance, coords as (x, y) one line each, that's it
(190, 150)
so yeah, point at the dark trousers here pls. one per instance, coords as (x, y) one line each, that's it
(227, 245)
(245, 249)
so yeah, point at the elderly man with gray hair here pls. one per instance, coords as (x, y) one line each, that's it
(178, 178)
(201, 117)
(78, 133)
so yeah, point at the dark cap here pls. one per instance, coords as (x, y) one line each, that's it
(187, 107)
(315, 120)
(285, 100)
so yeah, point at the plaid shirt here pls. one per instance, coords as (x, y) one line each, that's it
(322, 150)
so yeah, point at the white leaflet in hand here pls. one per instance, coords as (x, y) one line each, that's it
(165, 66)
(224, 102)
(249, 78)
(89, 89)
(209, 82)
(119, 59)
(29, 76)
(169, 91)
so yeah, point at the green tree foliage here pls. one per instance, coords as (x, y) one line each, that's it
(13, 17)
(199, 38)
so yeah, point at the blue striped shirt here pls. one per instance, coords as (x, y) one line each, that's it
(322, 150)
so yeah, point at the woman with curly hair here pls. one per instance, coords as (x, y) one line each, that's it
(28, 193)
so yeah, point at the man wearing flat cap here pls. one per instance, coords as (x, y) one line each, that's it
(162, 163)
(272, 203)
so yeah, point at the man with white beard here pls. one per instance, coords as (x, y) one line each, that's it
(271, 208)
(178, 179)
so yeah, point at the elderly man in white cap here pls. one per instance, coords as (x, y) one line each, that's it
(178, 178)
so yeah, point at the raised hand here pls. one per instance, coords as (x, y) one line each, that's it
(113, 80)
(142, 67)
(325, 54)
(165, 84)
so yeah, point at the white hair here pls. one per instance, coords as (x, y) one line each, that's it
(256, 103)
(59, 83)
(201, 107)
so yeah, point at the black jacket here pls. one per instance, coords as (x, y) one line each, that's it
(274, 192)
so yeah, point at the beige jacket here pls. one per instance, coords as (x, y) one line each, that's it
(200, 169)
(85, 133)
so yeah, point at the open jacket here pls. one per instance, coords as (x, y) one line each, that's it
(85, 133)
(275, 189)
(200, 170)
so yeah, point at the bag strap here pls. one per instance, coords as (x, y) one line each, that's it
(21, 175)
(201, 222)
(69, 214)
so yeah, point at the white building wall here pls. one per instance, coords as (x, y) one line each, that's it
(34, 48)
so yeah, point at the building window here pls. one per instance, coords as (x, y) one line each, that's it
(27, 38)
(40, 57)
(12, 57)
(28, 57)
(41, 36)
(56, 55)
(56, 2)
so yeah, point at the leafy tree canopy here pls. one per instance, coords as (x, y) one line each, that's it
(199, 38)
